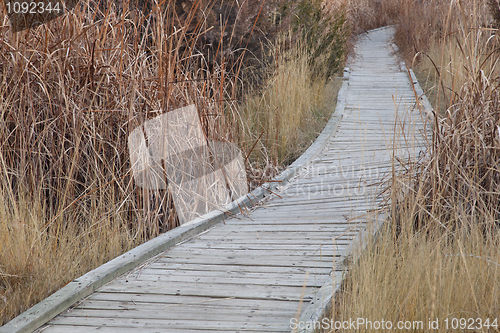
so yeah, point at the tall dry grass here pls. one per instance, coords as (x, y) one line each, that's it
(287, 114)
(438, 258)
(74, 88)
(71, 92)
(299, 88)
(420, 279)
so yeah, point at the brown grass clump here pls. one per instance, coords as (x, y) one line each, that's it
(459, 178)
(297, 96)
(364, 15)
(419, 24)
(424, 284)
(288, 112)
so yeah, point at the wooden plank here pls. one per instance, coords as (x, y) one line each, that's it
(101, 329)
(325, 263)
(162, 302)
(366, 176)
(318, 220)
(341, 244)
(310, 216)
(299, 203)
(276, 326)
(193, 314)
(260, 268)
(201, 277)
(291, 228)
(258, 248)
(252, 259)
(287, 275)
(252, 233)
(211, 290)
(228, 252)
(262, 238)
(206, 307)
(333, 207)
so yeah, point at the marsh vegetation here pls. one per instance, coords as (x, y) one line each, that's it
(74, 88)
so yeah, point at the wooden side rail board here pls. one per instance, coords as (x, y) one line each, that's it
(85, 285)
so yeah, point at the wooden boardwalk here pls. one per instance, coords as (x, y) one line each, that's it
(248, 273)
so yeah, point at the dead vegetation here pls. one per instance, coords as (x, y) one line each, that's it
(74, 88)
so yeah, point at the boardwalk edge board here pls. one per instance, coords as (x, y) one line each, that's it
(85, 285)
(322, 304)
(422, 97)
(420, 93)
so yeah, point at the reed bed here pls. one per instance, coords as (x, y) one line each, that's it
(74, 88)
(71, 91)
(299, 86)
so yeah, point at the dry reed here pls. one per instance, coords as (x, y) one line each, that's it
(291, 107)
(73, 89)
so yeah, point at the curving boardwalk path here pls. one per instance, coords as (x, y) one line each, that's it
(248, 273)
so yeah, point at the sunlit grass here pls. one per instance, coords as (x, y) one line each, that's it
(291, 108)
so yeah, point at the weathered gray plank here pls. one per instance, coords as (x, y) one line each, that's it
(270, 247)
(239, 268)
(169, 301)
(205, 307)
(202, 314)
(202, 277)
(187, 251)
(101, 329)
(242, 261)
(211, 290)
(272, 326)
